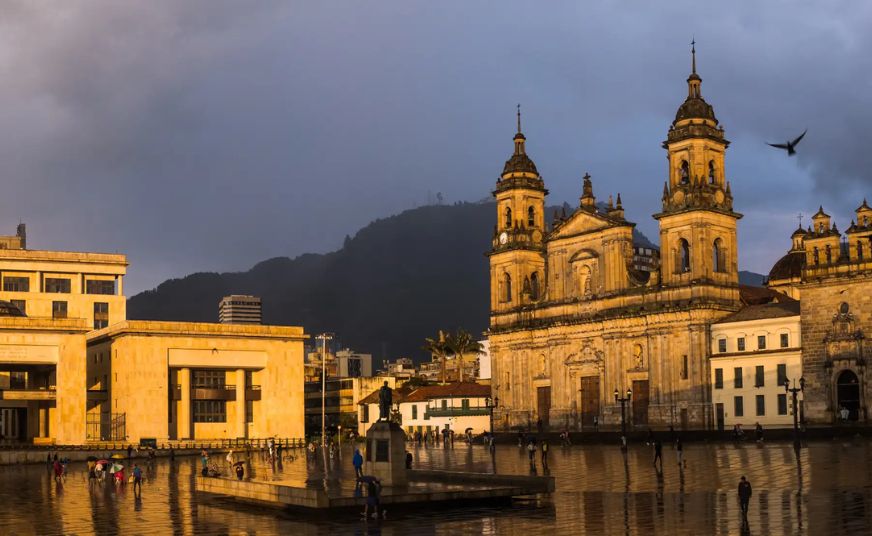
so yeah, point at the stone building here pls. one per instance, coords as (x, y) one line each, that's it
(831, 274)
(572, 320)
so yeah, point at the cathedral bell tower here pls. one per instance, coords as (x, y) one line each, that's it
(697, 224)
(517, 257)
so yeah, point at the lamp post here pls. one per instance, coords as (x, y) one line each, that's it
(795, 391)
(623, 401)
(324, 337)
(491, 404)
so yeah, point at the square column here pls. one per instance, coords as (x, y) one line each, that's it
(184, 414)
(241, 428)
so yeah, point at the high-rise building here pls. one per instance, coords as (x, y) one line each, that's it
(240, 309)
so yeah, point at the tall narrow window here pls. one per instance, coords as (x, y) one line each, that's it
(785, 340)
(719, 378)
(507, 286)
(718, 256)
(722, 345)
(685, 172)
(508, 218)
(829, 254)
(683, 256)
(101, 315)
(738, 406)
(859, 251)
(740, 344)
(711, 176)
(759, 376)
(761, 405)
(737, 378)
(58, 309)
(816, 256)
(531, 217)
(684, 371)
(782, 373)
(534, 286)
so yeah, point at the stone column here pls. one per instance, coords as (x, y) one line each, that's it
(184, 414)
(241, 428)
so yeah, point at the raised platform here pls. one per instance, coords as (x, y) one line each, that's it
(423, 486)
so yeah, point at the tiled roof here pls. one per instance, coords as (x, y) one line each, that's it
(397, 395)
(760, 295)
(473, 390)
(766, 310)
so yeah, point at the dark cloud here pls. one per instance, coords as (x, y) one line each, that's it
(209, 135)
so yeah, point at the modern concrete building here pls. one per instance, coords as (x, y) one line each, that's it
(341, 401)
(351, 364)
(753, 353)
(240, 309)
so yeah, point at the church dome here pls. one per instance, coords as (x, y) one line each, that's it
(695, 108)
(788, 266)
(10, 309)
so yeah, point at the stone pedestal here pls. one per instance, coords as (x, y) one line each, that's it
(385, 456)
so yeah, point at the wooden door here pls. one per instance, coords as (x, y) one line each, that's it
(544, 398)
(640, 402)
(719, 416)
(590, 399)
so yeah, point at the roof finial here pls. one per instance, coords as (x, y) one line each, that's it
(519, 118)
(800, 219)
(693, 54)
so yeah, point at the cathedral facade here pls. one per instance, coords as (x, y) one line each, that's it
(574, 321)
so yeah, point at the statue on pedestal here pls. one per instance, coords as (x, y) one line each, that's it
(384, 403)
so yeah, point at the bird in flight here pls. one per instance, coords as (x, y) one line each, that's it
(789, 146)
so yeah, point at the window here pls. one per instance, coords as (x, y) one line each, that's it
(759, 376)
(16, 284)
(683, 256)
(740, 343)
(531, 217)
(21, 304)
(816, 256)
(534, 286)
(711, 176)
(718, 262)
(684, 367)
(99, 287)
(508, 218)
(684, 173)
(859, 251)
(208, 378)
(249, 411)
(782, 374)
(57, 285)
(426, 415)
(785, 340)
(719, 378)
(364, 417)
(101, 315)
(209, 410)
(782, 404)
(58, 309)
(761, 405)
(737, 378)
(722, 345)
(444, 404)
(464, 403)
(414, 411)
(738, 406)
(507, 287)
(761, 342)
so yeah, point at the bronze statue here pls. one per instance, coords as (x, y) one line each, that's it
(384, 403)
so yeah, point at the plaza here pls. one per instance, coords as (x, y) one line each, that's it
(597, 492)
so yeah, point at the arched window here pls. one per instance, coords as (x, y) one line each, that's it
(534, 286)
(829, 255)
(816, 256)
(821, 228)
(531, 217)
(508, 218)
(718, 261)
(860, 251)
(711, 172)
(507, 287)
(685, 172)
(683, 256)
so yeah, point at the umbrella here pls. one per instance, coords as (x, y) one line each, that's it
(118, 456)
(367, 478)
(116, 467)
(91, 458)
(468, 430)
(103, 462)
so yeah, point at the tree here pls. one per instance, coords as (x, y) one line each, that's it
(462, 343)
(438, 347)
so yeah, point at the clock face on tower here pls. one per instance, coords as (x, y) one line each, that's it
(504, 237)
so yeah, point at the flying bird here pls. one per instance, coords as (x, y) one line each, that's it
(789, 146)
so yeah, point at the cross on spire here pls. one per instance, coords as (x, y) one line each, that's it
(519, 118)
(800, 219)
(693, 54)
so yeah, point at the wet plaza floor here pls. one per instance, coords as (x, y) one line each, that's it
(599, 491)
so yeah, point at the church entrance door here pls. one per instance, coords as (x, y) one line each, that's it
(590, 399)
(544, 399)
(640, 402)
(848, 394)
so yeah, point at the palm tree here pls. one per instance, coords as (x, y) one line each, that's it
(461, 343)
(438, 347)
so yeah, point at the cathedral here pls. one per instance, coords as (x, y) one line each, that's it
(576, 325)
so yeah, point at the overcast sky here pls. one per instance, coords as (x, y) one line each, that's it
(208, 135)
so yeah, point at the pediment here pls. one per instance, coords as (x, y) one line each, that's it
(580, 222)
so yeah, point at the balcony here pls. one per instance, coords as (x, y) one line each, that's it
(252, 392)
(98, 395)
(470, 411)
(214, 392)
(20, 392)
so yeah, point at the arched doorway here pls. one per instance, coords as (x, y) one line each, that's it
(848, 394)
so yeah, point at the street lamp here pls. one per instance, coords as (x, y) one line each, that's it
(324, 337)
(491, 404)
(623, 401)
(794, 391)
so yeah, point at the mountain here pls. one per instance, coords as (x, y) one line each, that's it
(751, 278)
(398, 280)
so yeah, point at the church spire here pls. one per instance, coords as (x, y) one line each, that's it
(693, 56)
(693, 81)
(520, 139)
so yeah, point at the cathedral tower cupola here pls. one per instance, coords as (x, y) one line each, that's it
(587, 200)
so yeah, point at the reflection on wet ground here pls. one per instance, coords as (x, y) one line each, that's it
(599, 491)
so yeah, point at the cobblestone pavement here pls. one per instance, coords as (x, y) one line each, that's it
(599, 491)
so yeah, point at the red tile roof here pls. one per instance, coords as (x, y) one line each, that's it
(397, 396)
(451, 390)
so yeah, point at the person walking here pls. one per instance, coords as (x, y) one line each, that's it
(373, 488)
(129, 451)
(679, 452)
(357, 462)
(658, 453)
(544, 453)
(531, 450)
(744, 496)
(240, 470)
(758, 431)
(137, 479)
(58, 471)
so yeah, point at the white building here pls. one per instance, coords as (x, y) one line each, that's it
(753, 352)
(456, 405)
(351, 364)
(484, 361)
